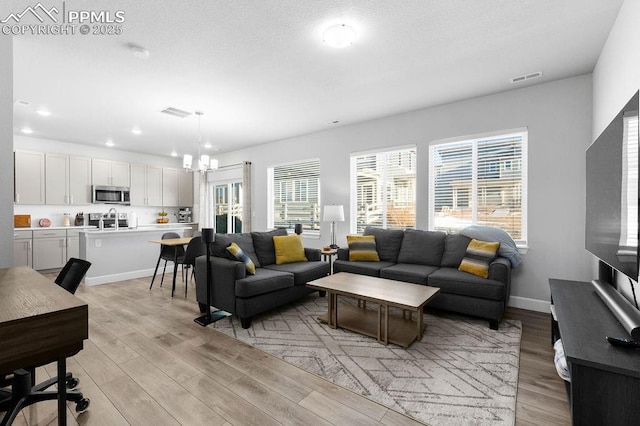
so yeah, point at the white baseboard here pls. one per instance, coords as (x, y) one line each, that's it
(529, 304)
(123, 276)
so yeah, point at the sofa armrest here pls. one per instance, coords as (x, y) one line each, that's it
(312, 254)
(500, 270)
(343, 254)
(224, 273)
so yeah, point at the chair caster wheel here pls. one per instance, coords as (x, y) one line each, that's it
(72, 383)
(82, 405)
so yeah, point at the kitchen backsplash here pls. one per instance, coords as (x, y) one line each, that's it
(145, 215)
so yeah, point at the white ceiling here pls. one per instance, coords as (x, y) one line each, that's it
(260, 72)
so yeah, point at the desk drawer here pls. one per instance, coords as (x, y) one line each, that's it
(22, 235)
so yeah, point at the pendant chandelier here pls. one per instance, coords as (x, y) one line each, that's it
(204, 162)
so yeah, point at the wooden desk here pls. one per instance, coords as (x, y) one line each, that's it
(173, 242)
(40, 322)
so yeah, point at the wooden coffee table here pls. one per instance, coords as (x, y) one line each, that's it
(386, 293)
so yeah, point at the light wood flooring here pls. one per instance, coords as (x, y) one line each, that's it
(147, 363)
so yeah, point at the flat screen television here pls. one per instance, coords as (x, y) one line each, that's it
(612, 193)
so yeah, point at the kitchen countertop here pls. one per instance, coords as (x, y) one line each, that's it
(56, 228)
(149, 228)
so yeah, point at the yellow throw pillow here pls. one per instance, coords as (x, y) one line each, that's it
(237, 252)
(289, 249)
(479, 256)
(362, 248)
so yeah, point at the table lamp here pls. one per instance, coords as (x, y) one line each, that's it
(333, 214)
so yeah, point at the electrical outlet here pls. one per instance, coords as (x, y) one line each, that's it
(98, 243)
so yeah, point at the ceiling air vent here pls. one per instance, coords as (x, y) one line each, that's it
(176, 112)
(21, 103)
(525, 77)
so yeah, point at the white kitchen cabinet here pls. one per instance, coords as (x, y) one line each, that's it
(29, 183)
(22, 252)
(68, 179)
(49, 249)
(110, 173)
(170, 187)
(73, 244)
(146, 185)
(177, 188)
(185, 188)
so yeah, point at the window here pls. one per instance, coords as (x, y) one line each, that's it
(629, 199)
(479, 181)
(383, 190)
(295, 190)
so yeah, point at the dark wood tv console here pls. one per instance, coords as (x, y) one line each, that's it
(605, 379)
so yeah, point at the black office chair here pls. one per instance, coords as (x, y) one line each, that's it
(167, 253)
(24, 391)
(195, 248)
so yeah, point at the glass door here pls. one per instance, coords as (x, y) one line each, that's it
(227, 207)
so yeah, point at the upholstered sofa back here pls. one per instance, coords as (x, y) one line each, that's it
(257, 245)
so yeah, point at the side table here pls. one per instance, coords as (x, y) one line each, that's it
(327, 254)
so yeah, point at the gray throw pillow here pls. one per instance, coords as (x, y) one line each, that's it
(263, 244)
(387, 242)
(455, 248)
(422, 247)
(245, 242)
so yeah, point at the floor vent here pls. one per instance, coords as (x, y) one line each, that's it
(525, 77)
(176, 112)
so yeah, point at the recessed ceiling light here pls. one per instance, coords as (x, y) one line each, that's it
(136, 131)
(26, 130)
(174, 154)
(109, 143)
(43, 112)
(207, 145)
(339, 36)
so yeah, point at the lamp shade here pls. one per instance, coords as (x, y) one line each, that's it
(187, 161)
(333, 214)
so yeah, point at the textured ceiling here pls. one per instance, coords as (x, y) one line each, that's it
(260, 72)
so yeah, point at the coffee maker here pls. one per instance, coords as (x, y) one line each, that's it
(184, 215)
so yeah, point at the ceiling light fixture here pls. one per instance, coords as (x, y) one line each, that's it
(174, 154)
(339, 36)
(136, 131)
(204, 162)
(109, 143)
(26, 130)
(43, 112)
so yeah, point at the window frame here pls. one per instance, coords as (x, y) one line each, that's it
(521, 165)
(292, 190)
(354, 190)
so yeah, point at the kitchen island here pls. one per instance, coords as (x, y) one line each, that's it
(123, 254)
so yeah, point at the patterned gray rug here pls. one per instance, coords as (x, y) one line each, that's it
(461, 372)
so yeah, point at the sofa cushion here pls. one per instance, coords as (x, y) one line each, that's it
(289, 249)
(387, 242)
(303, 272)
(408, 272)
(264, 281)
(237, 252)
(245, 242)
(363, 268)
(479, 255)
(455, 247)
(422, 247)
(453, 281)
(362, 248)
(263, 245)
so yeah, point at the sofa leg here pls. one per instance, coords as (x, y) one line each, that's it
(493, 324)
(322, 293)
(203, 308)
(245, 322)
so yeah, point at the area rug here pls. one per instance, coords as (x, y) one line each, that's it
(462, 372)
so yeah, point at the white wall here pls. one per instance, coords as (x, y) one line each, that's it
(558, 117)
(616, 77)
(6, 144)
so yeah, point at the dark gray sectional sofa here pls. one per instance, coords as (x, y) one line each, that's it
(432, 258)
(245, 295)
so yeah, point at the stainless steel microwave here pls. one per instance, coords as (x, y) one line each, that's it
(110, 195)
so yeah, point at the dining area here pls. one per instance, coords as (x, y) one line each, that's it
(182, 251)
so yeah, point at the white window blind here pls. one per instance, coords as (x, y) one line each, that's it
(383, 190)
(296, 195)
(479, 182)
(629, 199)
